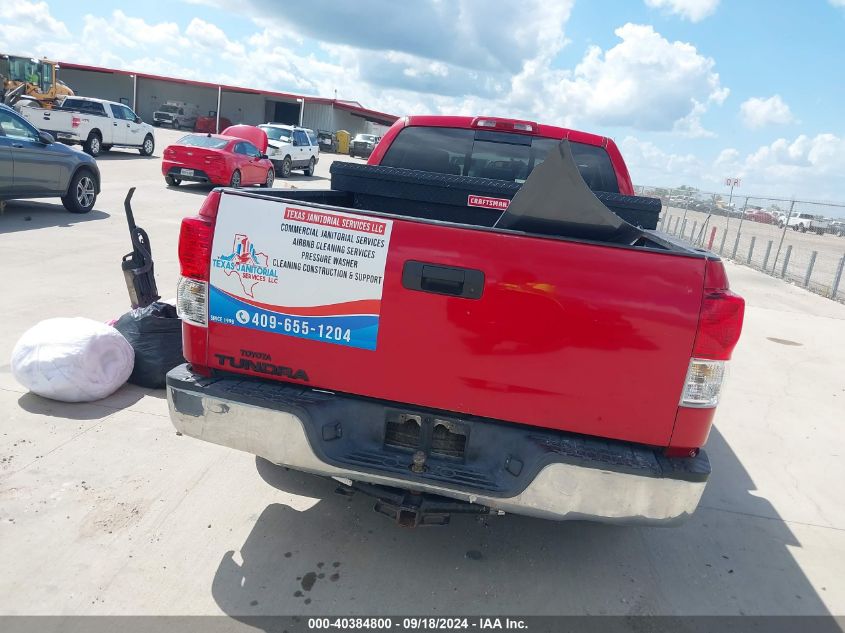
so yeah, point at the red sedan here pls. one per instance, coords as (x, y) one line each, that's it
(235, 158)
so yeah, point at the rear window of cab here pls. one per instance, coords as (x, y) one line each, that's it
(489, 154)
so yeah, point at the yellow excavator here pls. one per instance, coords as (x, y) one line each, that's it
(26, 81)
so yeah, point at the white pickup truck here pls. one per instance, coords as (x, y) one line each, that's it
(96, 124)
(807, 222)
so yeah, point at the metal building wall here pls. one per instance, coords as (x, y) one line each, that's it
(241, 107)
(86, 83)
(344, 120)
(154, 93)
(318, 116)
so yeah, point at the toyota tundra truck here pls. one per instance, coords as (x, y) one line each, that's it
(482, 319)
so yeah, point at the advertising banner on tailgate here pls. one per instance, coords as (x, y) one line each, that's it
(298, 270)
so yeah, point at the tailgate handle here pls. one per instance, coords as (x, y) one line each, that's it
(443, 280)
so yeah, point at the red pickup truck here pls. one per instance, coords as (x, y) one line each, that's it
(482, 319)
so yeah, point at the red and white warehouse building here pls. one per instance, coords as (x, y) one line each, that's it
(145, 93)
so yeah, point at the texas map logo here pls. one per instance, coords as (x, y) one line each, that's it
(247, 264)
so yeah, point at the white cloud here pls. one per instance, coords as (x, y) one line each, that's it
(692, 10)
(477, 63)
(212, 38)
(837, 3)
(645, 82)
(494, 37)
(23, 24)
(128, 32)
(758, 112)
(650, 165)
(807, 166)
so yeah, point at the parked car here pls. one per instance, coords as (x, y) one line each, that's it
(362, 145)
(327, 141)
(34, 165)
(836, 227)
(807, 222)
(177, 114)
(290, 147)
(513, 358)
(209, 123)
(96, 124)
(759, 215)
(235, 158)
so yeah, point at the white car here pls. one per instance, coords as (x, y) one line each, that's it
(290, 147)
(96, 124)
(807, 222)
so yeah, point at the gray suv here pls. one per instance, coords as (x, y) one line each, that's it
(34, 165)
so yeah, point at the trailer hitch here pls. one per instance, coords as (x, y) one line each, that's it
(412, 509)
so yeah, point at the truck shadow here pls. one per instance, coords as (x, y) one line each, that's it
(26, 215)
(124, 154)
(338, 557)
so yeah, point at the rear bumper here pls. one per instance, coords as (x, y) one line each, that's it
(175, 170)
(505, 467)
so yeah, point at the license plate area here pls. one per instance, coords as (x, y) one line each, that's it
(186, 172)
(434, 435)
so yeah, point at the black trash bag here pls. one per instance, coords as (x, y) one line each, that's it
(155, 333)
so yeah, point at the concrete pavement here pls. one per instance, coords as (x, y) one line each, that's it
(104, 510)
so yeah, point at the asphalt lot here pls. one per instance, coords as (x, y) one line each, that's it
(104, 510)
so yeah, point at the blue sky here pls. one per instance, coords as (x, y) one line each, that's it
(692, 90)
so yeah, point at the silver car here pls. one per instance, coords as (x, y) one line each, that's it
(34, 165)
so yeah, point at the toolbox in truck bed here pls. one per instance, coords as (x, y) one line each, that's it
(462, 199)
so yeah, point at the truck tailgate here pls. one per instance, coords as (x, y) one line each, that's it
(554, 333)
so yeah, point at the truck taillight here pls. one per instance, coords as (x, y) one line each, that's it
(75, 121)
(192, 301)
(195, 240)
(703, 383)
(719, 327)
(720, 320)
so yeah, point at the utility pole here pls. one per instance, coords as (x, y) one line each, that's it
(731, 182)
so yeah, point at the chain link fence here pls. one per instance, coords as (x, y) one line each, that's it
(800, 241)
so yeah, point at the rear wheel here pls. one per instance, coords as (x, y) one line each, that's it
(172, 181)
(82, 192)
(309, 171)
(149, 145)
(235, 180)
(93, 144)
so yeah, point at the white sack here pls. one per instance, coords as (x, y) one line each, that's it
(72, 360)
